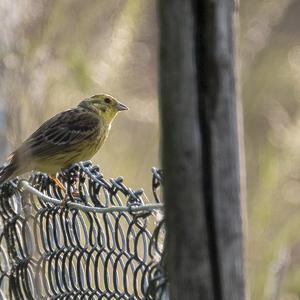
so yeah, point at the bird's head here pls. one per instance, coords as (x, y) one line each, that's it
(104, 105)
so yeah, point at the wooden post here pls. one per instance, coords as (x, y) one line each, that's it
(3, 140)
(200, 150)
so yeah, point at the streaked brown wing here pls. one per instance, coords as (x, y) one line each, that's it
(61, 133)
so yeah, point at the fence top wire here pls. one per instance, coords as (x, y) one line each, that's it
(107, 244)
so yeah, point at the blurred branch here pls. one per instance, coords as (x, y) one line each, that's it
(277, 274)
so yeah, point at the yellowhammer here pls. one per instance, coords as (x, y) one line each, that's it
(68, 137)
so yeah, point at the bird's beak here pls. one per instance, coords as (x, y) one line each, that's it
(121, 106)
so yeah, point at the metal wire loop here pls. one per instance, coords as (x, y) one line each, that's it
(107, 243)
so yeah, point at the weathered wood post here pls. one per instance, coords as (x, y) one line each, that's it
(3, 141)
(200, 150)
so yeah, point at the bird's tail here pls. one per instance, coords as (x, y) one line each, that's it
(7, 171)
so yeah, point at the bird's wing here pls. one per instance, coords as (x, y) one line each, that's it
(61, 132)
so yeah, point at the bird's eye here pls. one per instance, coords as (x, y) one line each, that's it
(107, 100)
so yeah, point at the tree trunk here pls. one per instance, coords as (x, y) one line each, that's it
(200, 150)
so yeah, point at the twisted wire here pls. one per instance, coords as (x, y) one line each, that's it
(107, 243)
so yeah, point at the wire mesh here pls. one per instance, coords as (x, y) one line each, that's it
(49, 252)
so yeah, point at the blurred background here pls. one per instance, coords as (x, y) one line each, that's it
(270, 84)
(54, 53)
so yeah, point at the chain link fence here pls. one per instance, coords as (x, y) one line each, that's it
(106, 244)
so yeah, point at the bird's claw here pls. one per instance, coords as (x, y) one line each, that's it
(64, 201)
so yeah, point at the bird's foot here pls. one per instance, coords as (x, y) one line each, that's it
(65, 199)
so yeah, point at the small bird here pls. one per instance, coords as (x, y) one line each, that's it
(68, 137)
